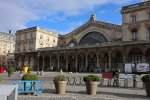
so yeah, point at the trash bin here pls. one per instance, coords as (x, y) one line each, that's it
(1, 69)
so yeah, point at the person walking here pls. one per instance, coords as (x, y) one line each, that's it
(116, 79)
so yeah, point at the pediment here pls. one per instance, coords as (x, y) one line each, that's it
(98, 24)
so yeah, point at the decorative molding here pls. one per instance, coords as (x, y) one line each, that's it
(98, 24)
(135, 7)
(134, 25)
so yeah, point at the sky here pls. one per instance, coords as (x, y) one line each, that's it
(60, 16)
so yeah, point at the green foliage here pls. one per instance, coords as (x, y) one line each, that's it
(91, 78)
(19, 68)
(117, 75)
(29, 69)
(30, 77)
(60, 78)
(146, 78)
(10, 69)
(0, 78)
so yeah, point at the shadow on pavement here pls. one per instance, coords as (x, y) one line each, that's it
(123, 95)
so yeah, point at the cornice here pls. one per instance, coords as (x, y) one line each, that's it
(36, 29)
(135, 7)
(98, 24)
(32, 29)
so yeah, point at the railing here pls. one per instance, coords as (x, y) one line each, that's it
(75, 81)
(107, 80)
(35, 87)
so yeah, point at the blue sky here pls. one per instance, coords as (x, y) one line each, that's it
(61, 16)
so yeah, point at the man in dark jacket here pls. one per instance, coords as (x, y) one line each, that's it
(116, 78)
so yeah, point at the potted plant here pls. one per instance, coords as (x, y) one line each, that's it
(29, 70)
(0, 78)
(10, 70)
(27, 78)
(146, 82)
(91, 82)
(60, 84)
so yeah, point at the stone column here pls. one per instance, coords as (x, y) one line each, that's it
(97, 58)
(86, 62)
(109, 61)
(124, 59)
(143, 59)
(76, 63)
(58, 63)
(42, 72)
(50, 63)
(66, 63)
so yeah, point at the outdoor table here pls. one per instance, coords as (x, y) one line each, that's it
(8, 92)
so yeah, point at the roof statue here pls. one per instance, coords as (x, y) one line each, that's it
(93, 17)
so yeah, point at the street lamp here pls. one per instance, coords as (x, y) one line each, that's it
(38, 63)
(7, 63)
(22, 64)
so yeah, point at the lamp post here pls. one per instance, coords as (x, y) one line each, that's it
(38, 63)
(21, 65)
(7, 63)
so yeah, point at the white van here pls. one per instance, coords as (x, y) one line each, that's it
(143, 68)
(129, 68)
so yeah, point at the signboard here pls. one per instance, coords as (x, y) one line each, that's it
(143, 67)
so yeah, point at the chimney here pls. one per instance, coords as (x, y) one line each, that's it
(9, 31)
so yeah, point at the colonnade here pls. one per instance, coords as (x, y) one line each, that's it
(90, 61)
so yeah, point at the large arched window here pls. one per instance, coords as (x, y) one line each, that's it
(134, 34)
(93, 38)
(135, 56)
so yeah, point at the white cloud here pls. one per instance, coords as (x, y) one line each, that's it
(15, 14)
(71, 27)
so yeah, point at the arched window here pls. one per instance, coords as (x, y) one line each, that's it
(133, 18)
(135, 56)
(93, 38)
(134, 34)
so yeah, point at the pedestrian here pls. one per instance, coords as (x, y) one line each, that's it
(116, 79)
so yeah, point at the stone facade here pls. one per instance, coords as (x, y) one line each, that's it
(7, 42)
(94, 46)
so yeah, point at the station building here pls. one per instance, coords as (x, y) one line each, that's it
(96, 45)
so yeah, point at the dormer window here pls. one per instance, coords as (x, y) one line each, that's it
(18, 37)
(54, 40)
(48, 39)
(31, 36)
(41, 36)
(134, 34)
(25, 36)
(133, 18)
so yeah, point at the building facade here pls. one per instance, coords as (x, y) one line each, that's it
(7, 42)
(93, 46)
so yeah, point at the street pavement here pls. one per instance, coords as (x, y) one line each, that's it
(78, 92)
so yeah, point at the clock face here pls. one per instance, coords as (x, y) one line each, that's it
(71, 44)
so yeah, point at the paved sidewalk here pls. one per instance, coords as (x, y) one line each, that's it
(77, 92)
